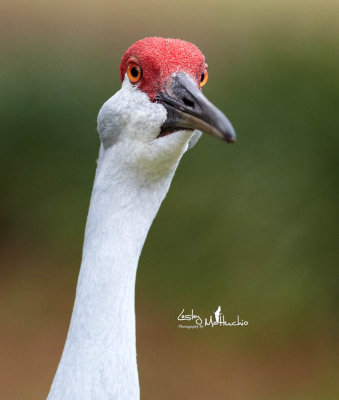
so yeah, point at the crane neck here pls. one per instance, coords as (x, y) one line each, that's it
(99, 357)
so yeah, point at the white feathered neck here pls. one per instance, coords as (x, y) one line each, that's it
(99, 358)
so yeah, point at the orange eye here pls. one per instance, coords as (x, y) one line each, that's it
(134, 72)
(204, 78)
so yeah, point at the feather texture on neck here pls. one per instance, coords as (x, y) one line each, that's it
(99, 358)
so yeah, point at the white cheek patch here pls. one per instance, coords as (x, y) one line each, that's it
(145, 116)
(130, 123)
(130, 114)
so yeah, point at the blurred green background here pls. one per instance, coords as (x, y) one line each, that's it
(251, 227)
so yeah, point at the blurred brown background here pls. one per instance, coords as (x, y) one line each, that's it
(250, 227)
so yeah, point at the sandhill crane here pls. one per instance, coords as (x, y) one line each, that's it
(144, 130)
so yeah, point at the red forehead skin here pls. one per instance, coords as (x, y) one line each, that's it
(159, 58)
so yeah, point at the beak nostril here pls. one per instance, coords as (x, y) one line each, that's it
(188, 102)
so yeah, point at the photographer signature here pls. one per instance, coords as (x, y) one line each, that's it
(218, 319)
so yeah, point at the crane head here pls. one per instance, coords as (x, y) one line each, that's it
(161, 100)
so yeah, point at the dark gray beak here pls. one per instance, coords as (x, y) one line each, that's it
(188, 109)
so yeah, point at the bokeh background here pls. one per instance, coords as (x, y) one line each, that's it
(251, 227)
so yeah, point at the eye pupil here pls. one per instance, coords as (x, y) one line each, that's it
(204, 77)
(134, 72)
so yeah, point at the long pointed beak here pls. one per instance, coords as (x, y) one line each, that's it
(188, 109)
